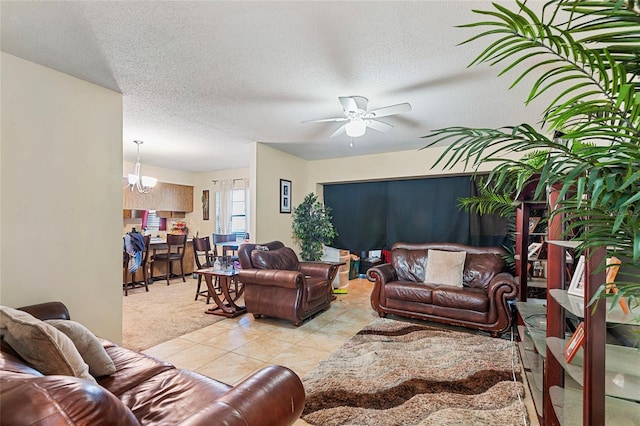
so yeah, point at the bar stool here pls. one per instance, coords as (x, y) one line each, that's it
(176, 245)
(204, 259)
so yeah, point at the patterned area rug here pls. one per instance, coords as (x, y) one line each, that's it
(400, 373)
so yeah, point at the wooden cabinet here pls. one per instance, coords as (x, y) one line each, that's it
(164, 196)
(601, 385)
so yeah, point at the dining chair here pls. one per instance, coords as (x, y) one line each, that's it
(143, 266)
(204, 259)
(176, 245)
(223, 238)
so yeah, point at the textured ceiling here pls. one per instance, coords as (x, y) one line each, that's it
(201, 80)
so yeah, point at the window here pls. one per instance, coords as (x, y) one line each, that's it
(238, 212)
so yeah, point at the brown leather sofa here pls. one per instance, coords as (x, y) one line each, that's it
(143, 390)
(480, 303)
(278, 285)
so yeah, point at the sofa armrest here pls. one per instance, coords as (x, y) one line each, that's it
(272, 277)
(48, 310)
(383, 273)
(504, 284)
(272, 396)
(61, 400)
(319, 269)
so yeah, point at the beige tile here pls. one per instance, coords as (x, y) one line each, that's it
(195, 357)
(263, 348)
(231, 368)
(205, 334)
(168, 348)
(233, 338)
(300, 359)
(300, 422)
(290, 335)
(324, 341)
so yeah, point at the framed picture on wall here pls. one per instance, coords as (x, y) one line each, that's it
(205, 204)
(285, 196)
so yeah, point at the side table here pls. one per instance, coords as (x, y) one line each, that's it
(225, 289)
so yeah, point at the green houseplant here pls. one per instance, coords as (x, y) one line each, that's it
(587, 54)
(312, 227)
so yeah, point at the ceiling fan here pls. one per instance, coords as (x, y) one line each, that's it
(358, 118)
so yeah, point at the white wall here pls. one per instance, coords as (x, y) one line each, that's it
(61, 180)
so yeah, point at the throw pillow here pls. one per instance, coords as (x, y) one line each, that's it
(44, 347)
(283, 258)
(481, 268)
(88, 345)
(445, 267)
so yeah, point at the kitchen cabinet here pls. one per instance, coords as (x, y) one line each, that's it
(164, 197)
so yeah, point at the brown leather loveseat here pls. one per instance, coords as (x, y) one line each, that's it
(278, 285)
(477, 297)
(142, 390)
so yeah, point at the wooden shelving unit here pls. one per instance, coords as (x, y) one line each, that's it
(601, 385)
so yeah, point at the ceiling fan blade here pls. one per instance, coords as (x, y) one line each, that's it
(325, 120)
(389, 110)
(340, 130)
(378, 125)
(348, 104)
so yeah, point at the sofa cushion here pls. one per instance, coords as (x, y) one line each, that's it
(467, 299)
(479, 269)
(88, 346)
(410, 265)
(445, 267)
(283, 258)
(44, 347)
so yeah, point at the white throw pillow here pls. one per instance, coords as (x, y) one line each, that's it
(445, 267)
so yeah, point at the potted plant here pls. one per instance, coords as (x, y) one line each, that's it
(586, 56)
(312, 227)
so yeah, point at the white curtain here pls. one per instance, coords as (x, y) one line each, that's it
(247, 205)
(224, 187)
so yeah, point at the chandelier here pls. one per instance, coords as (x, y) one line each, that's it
(142, 183)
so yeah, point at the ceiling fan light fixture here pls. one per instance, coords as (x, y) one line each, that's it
(355, 128)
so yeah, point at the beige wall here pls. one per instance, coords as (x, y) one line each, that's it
(392, 165)
(204, 181)
(272, 165)
(61, 169)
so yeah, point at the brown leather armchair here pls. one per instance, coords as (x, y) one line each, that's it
(278, 285)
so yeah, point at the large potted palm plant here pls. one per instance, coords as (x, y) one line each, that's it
(587, 55)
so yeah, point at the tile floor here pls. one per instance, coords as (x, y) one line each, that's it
(234, 348)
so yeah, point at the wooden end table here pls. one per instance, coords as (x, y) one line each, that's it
(225, 289)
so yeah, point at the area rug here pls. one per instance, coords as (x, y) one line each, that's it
(163, 313)
(402, 373)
